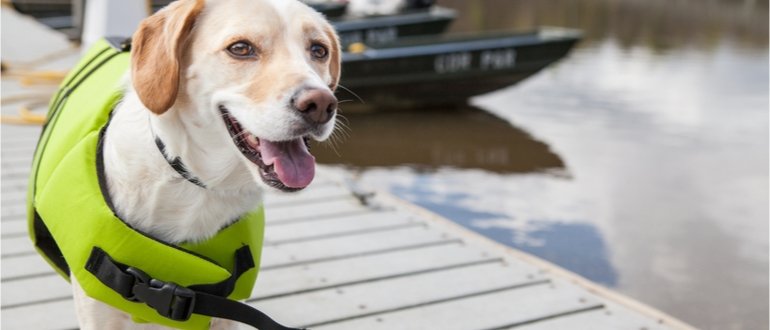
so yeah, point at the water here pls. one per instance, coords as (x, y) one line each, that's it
(639, 162)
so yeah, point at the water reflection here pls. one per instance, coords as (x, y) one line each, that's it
(556, 242)
(461, 138)
(675, 166)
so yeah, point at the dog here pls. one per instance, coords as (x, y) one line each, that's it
(233, 89)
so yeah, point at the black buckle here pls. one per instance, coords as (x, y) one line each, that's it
(167, 298)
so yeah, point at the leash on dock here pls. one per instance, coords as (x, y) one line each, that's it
(28, 75)
(26, 116)
(30, 101)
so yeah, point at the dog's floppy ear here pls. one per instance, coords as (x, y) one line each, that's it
(156, 50)
(334, 62)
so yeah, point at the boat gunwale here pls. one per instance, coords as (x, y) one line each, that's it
(435, 14)
(445, 44)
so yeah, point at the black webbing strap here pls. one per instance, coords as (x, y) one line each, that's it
(216, 306)
(243, 262)
(176, 302)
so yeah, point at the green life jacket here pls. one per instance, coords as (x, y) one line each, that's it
(74, 227)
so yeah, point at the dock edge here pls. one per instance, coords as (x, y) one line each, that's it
(548, 267)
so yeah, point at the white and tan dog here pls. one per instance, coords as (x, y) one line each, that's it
(233, 88)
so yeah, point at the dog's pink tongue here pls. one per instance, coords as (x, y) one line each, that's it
(293, 163)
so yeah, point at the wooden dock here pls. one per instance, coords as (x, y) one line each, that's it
(335, 259)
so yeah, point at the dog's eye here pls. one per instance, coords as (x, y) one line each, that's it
(241, 49)
(319, 51)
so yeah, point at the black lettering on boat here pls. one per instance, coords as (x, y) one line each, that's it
(381, 35)
(497, 59)
(453, 62)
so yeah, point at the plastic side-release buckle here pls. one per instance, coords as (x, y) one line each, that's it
(167, 298)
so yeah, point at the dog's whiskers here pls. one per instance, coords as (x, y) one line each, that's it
(352, 92)
(340, 133)
(342, 125)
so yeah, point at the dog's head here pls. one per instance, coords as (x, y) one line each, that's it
(257, 75)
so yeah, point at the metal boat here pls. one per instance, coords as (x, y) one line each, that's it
(449, 69)
(378, 30)
(330, 9)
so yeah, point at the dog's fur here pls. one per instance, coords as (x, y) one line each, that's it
(181, 76)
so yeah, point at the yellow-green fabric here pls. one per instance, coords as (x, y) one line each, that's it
(67, 197)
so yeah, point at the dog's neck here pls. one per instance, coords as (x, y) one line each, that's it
(151, 196)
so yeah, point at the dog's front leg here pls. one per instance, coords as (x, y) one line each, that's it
(94, 314)
(222, 324)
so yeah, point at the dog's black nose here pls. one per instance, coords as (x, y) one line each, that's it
(316, 105)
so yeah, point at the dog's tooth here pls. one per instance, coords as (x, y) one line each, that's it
(252, 140)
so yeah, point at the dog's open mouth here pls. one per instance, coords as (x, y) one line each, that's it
(285, 165)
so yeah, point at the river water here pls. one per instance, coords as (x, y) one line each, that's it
(640, 161)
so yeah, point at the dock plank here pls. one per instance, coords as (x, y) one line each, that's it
(489, 310)
(335, 226)
(12, 228)
(611, 317)
(13, 211)
(312, 277)
(284, 255)
(53, 315)
(16, 246)
(324, 211)
(12, 187)
(328, 306)
(17, 172)
(319, 192)
(24, 266)
(34, 290)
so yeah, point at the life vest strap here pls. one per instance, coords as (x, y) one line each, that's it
(216, 306)
(243, 262)
(177, 302)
